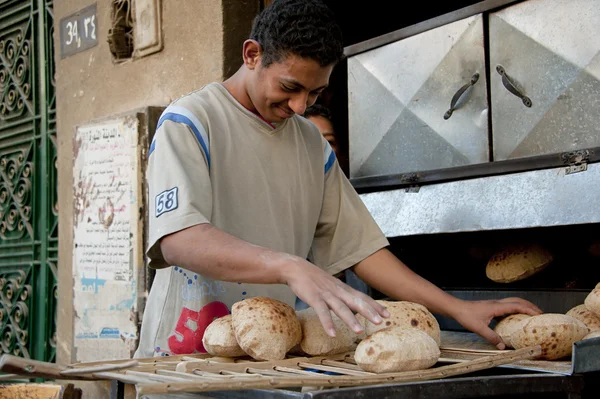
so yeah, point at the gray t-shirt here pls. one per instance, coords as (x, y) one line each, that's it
(280, 187)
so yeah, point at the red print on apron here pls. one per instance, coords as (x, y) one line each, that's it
(188, 338)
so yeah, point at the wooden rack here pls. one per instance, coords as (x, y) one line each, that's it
(201, 373)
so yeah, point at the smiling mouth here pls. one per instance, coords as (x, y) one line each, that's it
(287, 112)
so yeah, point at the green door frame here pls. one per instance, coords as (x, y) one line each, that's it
(28, 199)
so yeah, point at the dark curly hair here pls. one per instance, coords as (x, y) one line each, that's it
(317, 110)
(306, 28)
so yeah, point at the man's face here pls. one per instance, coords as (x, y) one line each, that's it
(326, 129)
(287, 87)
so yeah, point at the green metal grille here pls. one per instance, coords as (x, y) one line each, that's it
(28, 198)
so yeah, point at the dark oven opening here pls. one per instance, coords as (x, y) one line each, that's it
(456, 262)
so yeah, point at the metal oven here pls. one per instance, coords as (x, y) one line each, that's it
(469, 133)
(479, 130)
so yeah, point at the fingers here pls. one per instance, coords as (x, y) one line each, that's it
(324, 314)
(324, 294)
(491, 337)
(533, 308)
(371, 305)
(363, 304)
(343, 312)
(516, 305)
(343, 302)
(367, 309)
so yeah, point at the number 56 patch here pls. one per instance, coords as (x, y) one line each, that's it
(166, 201)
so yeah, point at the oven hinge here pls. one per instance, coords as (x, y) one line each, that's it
(411, 178)
(575, 161)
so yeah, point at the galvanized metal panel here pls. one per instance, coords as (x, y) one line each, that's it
(586, 356)
(551, 51)
(399, 93)
(521, 200)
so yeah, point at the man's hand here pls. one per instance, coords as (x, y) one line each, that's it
(387, 274)
(477, 315)
(324, 292)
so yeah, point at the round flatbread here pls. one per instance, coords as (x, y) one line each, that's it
(219, 339)
(404, 314)
(554, 332)
(265, 328)
(592, 301)
(593, 334)
(594, 248)
(316, 341)
(397, 349)
(517, 262)
(508, 325)
(586, 316)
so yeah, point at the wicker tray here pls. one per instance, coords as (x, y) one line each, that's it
(200, 373)
(463, 346)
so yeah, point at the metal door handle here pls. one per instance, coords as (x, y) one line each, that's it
(458, 95)
(512, 87)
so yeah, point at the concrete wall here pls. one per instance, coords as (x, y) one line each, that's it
(202, 43)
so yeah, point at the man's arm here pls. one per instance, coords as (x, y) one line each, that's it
(387, 274)
(211, 252)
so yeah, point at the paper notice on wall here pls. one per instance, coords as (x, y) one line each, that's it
(106, 236)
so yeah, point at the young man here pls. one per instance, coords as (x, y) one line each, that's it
(243, 190)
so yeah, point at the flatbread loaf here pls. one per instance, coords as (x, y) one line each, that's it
(594, 248)
(508, 325)
(586, 316)
(517, 262)
(316, 341)
(265, 328)
(404, 314)
(219, 339)
(554, 332)
(592, 301)
(593, 334)
(397, 349)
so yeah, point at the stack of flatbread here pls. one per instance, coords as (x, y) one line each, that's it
(267, 329)
(264, 328)
(404, 314)
(508, 325)
(589, 313)
(554, 332)
(408, 340)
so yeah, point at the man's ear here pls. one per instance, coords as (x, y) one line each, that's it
(252, 52)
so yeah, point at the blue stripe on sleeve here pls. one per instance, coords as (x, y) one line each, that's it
(196, 128)
(329, 161)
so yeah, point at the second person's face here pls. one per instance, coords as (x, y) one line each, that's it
(326, 129)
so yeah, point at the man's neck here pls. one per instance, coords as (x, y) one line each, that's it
(236, 87)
